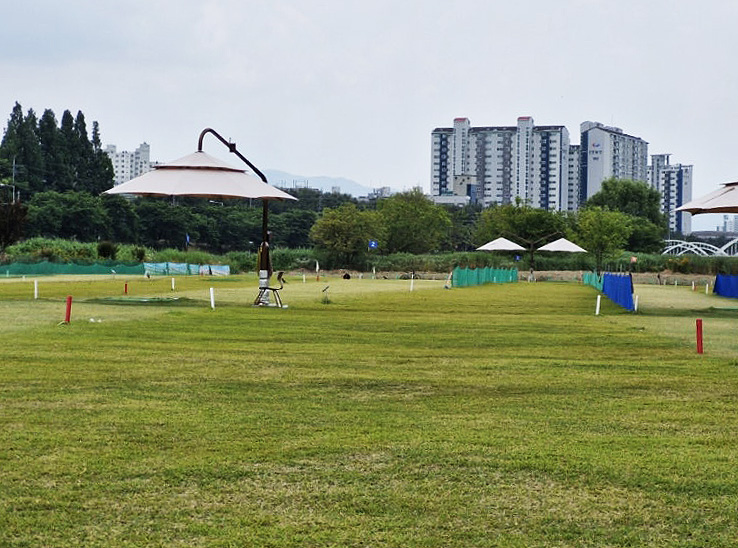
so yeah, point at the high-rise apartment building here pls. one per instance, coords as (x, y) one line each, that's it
(607, 152)
(503, 164)
(129, 165)
(674, 183)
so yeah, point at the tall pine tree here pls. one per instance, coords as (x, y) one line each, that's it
(51, 158)
(51, 148)
(101, 170)
(21, 148)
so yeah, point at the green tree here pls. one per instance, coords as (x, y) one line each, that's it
(414, 223)
(72, 215)
(292, 228)
(634, 198)
(463, 222)
(20, 147)
(342, 235)
(166, 225)
(67, 176)
(642, 204)
(51, 149)
(12, 218)
(123, 221)
(525, 225)
(603, 233)
(310, 199)
(100, 172)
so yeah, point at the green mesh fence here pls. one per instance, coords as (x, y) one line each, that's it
(465, 277)
(591, 278)
(45, 268)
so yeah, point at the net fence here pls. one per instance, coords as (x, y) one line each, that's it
(465, 277)
(46, 268)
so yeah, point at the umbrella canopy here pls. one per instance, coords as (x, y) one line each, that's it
(562, 244)
(501, 244)
(722, 200)
(200, 175)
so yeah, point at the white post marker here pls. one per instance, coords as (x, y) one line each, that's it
(172, 284)
(303, 277)
(692, 285)
(707, 288)
(675, 283)
(212, 299)
(449, 280)
(35, 289)
(374, 272)
(597, 307)
(635, 304)
(412, 280)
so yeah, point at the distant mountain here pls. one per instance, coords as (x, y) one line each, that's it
(286, 180)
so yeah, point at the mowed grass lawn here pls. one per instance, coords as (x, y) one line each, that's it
(505, 415)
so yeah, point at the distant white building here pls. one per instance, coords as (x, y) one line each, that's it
(607, 152)
(730, 224)
(674, 183)
(503, 164)
(129, 165)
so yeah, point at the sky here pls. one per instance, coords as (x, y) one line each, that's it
(353, 88)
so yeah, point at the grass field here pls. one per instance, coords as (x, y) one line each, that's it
(504, 415)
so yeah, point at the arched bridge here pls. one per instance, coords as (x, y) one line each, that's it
(680, 247)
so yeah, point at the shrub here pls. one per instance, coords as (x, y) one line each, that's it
(51, 249)
(107, 250)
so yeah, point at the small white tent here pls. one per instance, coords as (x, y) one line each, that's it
(562, 244)
(501, 244)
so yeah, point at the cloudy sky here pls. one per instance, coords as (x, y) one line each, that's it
(353, 88)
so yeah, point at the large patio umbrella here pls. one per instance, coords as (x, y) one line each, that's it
(501, 244)
(562, 244)
(203, 176)
(722, 200)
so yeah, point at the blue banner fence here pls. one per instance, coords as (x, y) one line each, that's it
(616, 287)
(726, 286)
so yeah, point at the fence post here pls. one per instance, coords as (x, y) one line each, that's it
(68, 315)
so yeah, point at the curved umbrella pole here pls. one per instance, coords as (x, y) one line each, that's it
(263, 263)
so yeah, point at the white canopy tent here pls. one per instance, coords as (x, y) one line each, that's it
(562, 244)
(501, 244)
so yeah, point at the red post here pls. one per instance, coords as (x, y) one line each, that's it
(699, 336)
(125, 288)
(68, 316)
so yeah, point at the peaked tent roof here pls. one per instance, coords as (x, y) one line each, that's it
(562, 244)
(501, 244)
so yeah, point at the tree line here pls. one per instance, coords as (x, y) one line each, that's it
(60, 172)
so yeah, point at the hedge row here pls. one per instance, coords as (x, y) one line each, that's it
(55, 250)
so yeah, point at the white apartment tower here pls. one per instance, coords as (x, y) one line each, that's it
(674, 183)
(607, 152)
(129, 165)
(504, 164)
